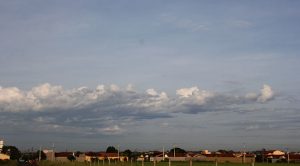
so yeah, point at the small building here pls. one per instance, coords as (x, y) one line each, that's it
(274, 156)
(80, 157)
(63, 156)
(4, 156)
(93, 156)
(49, 154)
(225, 157)
(293, 157)
(1, 145)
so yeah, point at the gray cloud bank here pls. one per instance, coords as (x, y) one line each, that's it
(109, 109)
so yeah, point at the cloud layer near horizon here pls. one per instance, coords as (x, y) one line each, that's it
(109, 109)
(47, 97)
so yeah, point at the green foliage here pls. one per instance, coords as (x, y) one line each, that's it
(127, 153)
(12, 151)
(177, 150)
(71, 158)
(111, 149)
(77, 154)
(135, 155)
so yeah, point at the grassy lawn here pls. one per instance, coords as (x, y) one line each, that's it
(49, 163)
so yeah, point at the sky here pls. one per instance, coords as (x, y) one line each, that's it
(143, 75)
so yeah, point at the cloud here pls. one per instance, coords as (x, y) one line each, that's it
(194, 94)
(109, 109)
(266, 94)
(47, 97)
(112, 130)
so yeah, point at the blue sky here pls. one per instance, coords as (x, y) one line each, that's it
(145, 74)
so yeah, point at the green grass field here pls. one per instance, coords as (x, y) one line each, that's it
(49, 163)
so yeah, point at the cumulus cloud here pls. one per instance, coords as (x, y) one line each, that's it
(266, 94)
(108, 109)
(193, 93)
(49, 97)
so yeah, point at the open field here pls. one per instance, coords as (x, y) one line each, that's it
(49, 163)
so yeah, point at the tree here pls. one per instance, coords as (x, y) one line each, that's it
(127, 153)
(177, 150)
(12, 151)
(78, 153)
(111, 149)
(71, 157)
(222, 151)
(135, 155)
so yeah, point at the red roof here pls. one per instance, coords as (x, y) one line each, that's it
(96, 154)
(219, 155)
(111, 154)
(63, 154)
(294, 156)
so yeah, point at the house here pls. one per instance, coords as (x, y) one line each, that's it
(63, 156)
(274, 156)
(1, 145)
(49, 154)
(112, 156)
(225, 157)
(177, 156)
(80, 157)
(92, 156)
(4, 156)
(293, 157)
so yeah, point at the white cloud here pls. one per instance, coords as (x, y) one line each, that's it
(47, 97)
(251, 96)
(266, 94)
(10, 94)
(102, 110)
(114, 88)
(151, 92)
(193, 93)
(111, 130)
(130, 88)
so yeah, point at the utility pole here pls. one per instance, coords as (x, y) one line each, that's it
(163, 153)
(118, 152)
(288, 156)
(174, 150)
(40, 154)
(244, 153)
(53, 152)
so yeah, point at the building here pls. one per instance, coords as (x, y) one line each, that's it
(274, 156)
(225, 157)
(63, 156)
(1, 145)
(293, 157)
(4, 156)
(49, 154)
